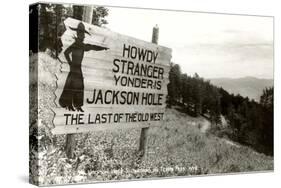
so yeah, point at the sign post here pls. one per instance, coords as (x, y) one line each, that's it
(144, 131)
(108, 81)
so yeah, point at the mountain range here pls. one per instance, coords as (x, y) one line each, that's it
(251, 87)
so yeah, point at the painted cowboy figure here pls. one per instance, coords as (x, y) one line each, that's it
(73, 92)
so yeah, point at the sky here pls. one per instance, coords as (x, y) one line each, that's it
(212, 45)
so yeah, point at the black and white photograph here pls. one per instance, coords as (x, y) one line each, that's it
(128, 93)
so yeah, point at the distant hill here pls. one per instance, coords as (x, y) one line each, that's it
(247, 86)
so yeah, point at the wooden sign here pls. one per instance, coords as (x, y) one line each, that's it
(109, 81)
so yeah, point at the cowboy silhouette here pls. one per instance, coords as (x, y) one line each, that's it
(73, 92)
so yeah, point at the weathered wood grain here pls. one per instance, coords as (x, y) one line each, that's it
(102, 127)
(98, 75)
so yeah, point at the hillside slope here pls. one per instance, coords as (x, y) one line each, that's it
(181, 146)
(185, 143)
(247, 86)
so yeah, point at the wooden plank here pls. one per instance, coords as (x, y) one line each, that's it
(109, 84)
(103, 127)
(117, 53)
(121, 109)
(96, 116)
(106, 63)
(116, 43)
(118, 81)
(103, 35)
(92, 73)
(129, 102)
(104, 118)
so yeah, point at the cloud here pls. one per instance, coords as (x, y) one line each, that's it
(227, 60)
(212, 45)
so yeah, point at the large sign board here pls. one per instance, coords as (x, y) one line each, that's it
(108, 80)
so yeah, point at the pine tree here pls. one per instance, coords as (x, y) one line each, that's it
(51, 17)
(174, 86)
(99, 14)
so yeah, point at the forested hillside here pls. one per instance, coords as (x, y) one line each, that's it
(249, 122)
